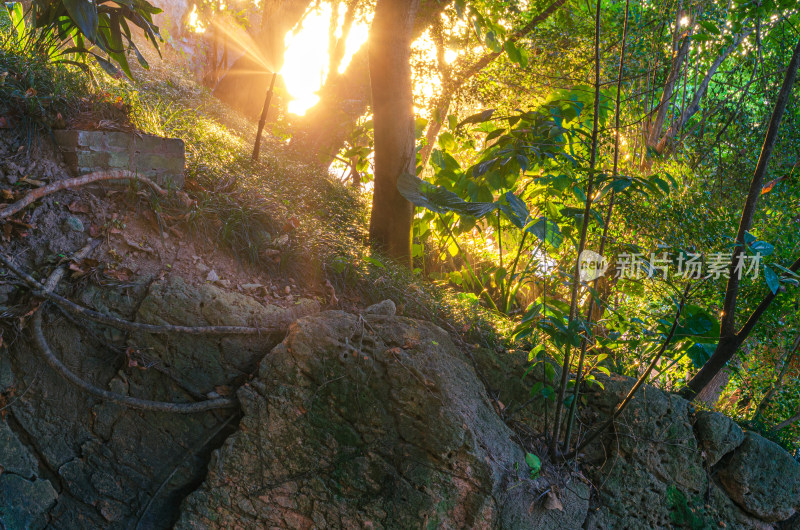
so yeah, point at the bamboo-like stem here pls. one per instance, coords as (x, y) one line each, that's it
(603, 239)
(584, 229)
(639, 382)
(263, 120)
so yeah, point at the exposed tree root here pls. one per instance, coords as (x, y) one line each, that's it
(127, 325)
(38, 193)
(126, 401)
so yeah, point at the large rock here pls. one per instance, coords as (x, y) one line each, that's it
(24, 496)
(74, 461)
(762, 478)
(717, 435)
(373, 423)
(651, 465)
(202, 363)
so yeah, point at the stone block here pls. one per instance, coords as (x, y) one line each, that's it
(161, 159)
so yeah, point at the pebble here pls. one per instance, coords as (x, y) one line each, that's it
(74, 224)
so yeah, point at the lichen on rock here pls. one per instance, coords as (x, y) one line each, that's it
(361, 423)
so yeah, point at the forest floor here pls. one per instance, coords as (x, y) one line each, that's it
(276, 229)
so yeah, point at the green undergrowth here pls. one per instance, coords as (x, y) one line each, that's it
(34, 92)
(40, 92)
(253, 208)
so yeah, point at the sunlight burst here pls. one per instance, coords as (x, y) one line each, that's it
(305, 64)
(194, 23)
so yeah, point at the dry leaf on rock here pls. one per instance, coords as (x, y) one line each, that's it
(552, 502)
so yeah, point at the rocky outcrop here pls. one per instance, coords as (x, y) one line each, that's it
(762, 478)
(656, 470)
(25, 497)
(373, 422)
(68, 460)
(362, 421)
(717, 435)
(201, 363)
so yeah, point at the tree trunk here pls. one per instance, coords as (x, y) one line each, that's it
(730, 340)
(694, 105)
(345, 97)
(336, 51)
(393, 120)
(680, 50)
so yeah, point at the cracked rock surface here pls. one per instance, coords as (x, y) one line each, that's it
(68, 460)
(371, 423)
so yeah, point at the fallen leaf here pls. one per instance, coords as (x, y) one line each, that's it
(223, 390)
(77, 270)
(32, 182)
(291, 223)
(186, 200)
(122, 275)
(771, 184)
(137, 246)
(552, 502)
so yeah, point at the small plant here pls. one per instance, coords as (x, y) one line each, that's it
(534, 464)
(68, 31)
(682, 514)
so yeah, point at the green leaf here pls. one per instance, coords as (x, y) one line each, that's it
(84, 14)
(579, 194)
(494, 134)
(374, 262)
(513, 52)
(534, 464)
(773, 282)
(700, 353)
(419, 127)
(480, 117)
(493, 43)
(516, 210)
(763, 248)
(696, 322)
(447, 141)
(553, 233)
(438, 199)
